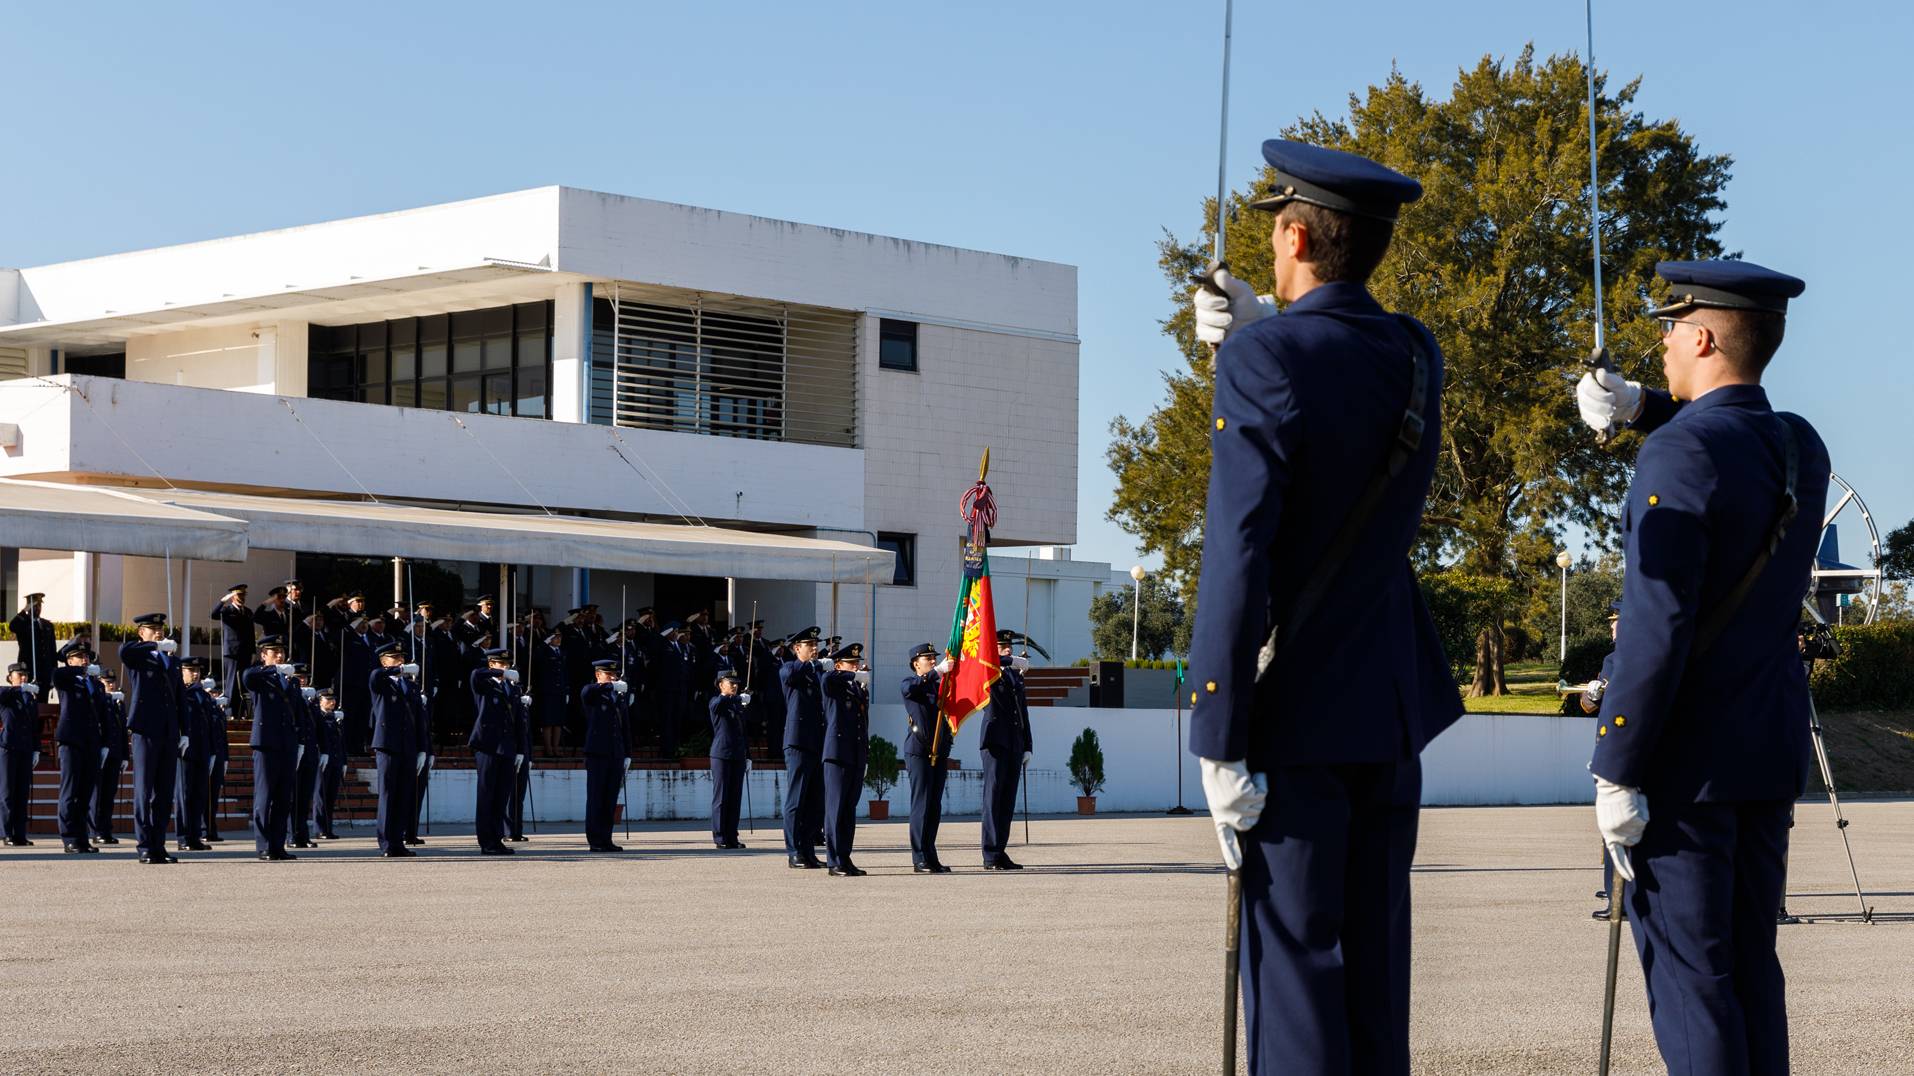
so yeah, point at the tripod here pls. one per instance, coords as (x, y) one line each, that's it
(1817, 642)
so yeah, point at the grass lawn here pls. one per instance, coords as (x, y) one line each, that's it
(1531, 691)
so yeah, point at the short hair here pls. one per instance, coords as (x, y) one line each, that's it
(1342, 246)
(1748, 339)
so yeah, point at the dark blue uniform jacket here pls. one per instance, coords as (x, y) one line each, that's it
(803, 705)
(277, 708)
(847, 719)
(152, 691)
(727, 728)
(920, 710)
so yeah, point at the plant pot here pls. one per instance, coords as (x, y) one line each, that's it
(1086, 805)
(880, 810)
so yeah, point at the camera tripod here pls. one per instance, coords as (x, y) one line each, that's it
(1817, 643)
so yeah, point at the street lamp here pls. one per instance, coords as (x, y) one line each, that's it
(1136, 606)
(1562, 561)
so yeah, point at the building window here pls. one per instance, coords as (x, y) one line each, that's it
(904, 546)
(113, 365)
(495, 361)
(897, 344)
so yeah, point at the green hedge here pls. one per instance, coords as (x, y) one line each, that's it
(1874, 672)
(1140, 663)
(109, 633)
(1584, 660)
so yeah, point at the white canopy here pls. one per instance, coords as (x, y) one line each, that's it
(54, 515)
(365, 529)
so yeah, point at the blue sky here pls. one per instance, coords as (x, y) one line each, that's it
(1069, 131)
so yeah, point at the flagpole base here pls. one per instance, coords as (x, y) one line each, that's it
(1179, 809)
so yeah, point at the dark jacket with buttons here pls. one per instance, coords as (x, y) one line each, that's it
(1006, 721)
(397, 710)
(920, 710)
(495, 728)
(19, 720)
(727, 728)
(80, 703)
(803, 705)
(847, 719)
(605, 712)
(152, 691)
(277, 708)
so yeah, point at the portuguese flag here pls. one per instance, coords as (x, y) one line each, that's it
(972, 649)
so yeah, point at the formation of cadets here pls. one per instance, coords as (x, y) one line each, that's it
(323, 684)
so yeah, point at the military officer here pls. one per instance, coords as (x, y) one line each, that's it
(551, 693)
(81, 748)
(497, 744)
(443, 687)
(106, 789)
(927, 736)
(220, 756)
(1702, 743)
(19, 750)
(847, 750)
(199, 721)
(305, 787)
(522, 706)
(271, 617)
(730, 758)
(236, 636)
(1006, 744)
(35, 637)
(278, 707)
(397, 714)
(1330, 403)
(332, 761)
(607, 750)
(802, 681)
(153, 717)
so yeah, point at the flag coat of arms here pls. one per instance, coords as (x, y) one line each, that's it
(972, 649)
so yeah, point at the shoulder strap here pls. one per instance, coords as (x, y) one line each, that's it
(1408, 441)
(1717, 621)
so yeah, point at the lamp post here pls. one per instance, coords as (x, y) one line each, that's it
(1562, 561)
(1136, 606)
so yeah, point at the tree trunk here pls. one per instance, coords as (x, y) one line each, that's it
(1489, 678)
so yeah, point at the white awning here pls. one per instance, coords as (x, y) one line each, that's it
(363, 529)
(54, 515)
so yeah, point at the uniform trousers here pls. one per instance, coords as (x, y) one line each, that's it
(326, 797)
(494, 792)
(16, 781)
(155, 771)
(106, 792)
(305, 789)
(397, 775)
(1708, 879)
(275, 773)
(422, 782)
(727, 790)
(79, 768)
(215, 791)
(1000, 798)
(1325, 948)
(803, 802)
(843, 783)
(189, 800)
(926, 807)
(515, 807)
(604, 778)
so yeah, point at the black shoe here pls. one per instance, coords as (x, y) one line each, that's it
(281, 855)
(328, 836)
(1601, 894)
(71, 849)
(19, 842)
(921, 868)
(92, 851)
(397, 853)
(1600, 915)
(732, 845)
(304, 844)
(263, 857)
(104, 838)
(415, 840)
(195, 846)
(607, 848)
(214, 838)
(847, 869)
(939, 868)
(1783, 919)
(518, 838)
(148, 857)
(1003, 863)
(807, 863)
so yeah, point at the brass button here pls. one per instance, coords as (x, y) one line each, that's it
(1653, 500)
(1620, 721)
(1219, 423)
(1603, 731)
(1192, 698)
(1210, 687)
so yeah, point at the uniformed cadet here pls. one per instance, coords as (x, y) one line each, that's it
(19, 750)
(927, 735)
(803, 685)
(497, 744)
(36, 642)
(199, 722)
(1006, 746)
(106, 790)
(277, 708)
(522, 710)
(271, 618)
(153, 717)
(221, 755)
(847, 751)
(730, 757)
(79, 739)
(1313, 775)
(332, 759)
(1702, 745)
(550, 691)
(607, 750)
(236, 639)
(305, 786)
(1590, 702)
(397, 714)
(346, 624)
(766, 711)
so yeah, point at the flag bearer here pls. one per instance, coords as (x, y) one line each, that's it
(928, 737)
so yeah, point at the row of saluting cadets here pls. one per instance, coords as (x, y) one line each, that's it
(169, 725)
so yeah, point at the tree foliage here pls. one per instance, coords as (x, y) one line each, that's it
(1162, 627)
(1495, 260)
(1897, 553)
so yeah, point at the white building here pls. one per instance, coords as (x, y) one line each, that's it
(537, 360)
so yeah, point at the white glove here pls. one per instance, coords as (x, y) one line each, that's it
(36, 756)
(103, 753)
(511, 676)
(1236, 797)
(93, 670)
(1596, 688)
(117, 696)
(167, 646)
(1621, 813)
(207, 685)
(744, 697)
(517, 761)
(31, 689)
(628, 764)
(1020, 663)
(1026, 758)
(942, 668)
(299, 754)
(323, 759)
(182, 744)
(410, 669)
(283, 670)
(525, 701)
(308, 694)
(620, 687)
(419, 767)
(863, 677)
(1219, 315)
(1607, 400)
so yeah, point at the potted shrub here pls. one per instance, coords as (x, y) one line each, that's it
(880, 776)
(1086, 770)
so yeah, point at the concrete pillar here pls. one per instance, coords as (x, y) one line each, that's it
(571, 353)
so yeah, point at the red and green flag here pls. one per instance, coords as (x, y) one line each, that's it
(972, 649)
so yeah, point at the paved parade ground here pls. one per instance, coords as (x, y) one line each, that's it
(1104, 957)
